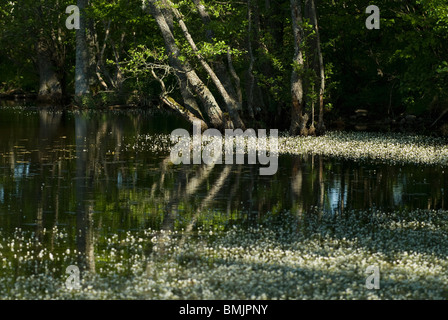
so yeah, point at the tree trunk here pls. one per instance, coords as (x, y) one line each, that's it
(212, 108)
(187, 115)
(231, 102)
(50, 88)
(187, 95)
(205, 17)
(320, 68)
(171, 103)
(234, 90)
(239, 93)
(250, 71)
(82, 54)
(298, 119)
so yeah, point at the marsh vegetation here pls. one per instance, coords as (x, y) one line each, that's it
(97, 190)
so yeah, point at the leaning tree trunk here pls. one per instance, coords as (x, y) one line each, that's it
(219, 65)
(188, 97)
(82, 54)
(230, 101)
(212, 108)
(298, 119)
(171, 103)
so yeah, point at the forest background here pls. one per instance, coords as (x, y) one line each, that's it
(305, 66)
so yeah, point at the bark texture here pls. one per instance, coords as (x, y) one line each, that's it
(211, 107)
(298, 119)
(320, 68)
(82, 54)
(50, 88)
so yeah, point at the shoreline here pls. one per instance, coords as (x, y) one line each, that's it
(386, 148)
(360, 121)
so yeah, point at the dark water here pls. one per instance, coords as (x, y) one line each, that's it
(57, 166)
(74, 186)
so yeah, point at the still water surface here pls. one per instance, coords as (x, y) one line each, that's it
(52, 161)
(93, 173)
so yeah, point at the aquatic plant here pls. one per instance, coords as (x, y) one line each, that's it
(308, 256)
(358, 146)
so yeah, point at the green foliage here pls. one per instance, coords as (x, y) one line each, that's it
(393, 69)
(401, 67)
(22, 25)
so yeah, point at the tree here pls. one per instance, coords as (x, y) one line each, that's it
(320, 68)
(82, 54)
(45, 53)
(307, 47)
(179, 63)
(228, 63)
(230, 102)
(298, 118)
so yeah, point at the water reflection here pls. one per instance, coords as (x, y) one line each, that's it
(73, 169)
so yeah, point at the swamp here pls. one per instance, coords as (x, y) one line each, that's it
(341, 195)
(96, 190)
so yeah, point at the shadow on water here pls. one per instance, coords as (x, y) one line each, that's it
(104, 173)
(62, 160)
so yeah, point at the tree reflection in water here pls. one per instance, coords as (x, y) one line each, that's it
(101, 173)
